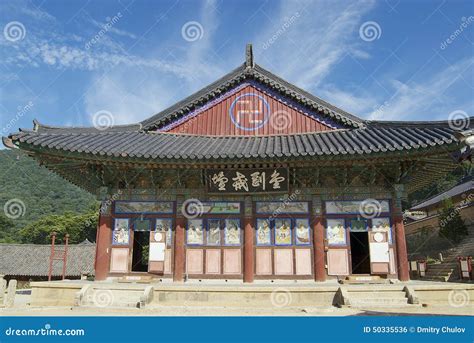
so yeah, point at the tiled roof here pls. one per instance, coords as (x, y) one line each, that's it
(375, 137)
(465, 187)
(33, 259)
(236, 77)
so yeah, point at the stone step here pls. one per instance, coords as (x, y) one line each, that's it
(442, 265)
(113, 305)
(384, 302)
(112, 298)
(377, 294)
(435, 278)
(439, 271)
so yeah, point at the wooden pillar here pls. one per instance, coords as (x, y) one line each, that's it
(249, 258)
(179, 250)
(401, 244)
(103, 246)
(319, 253)
(402, 256)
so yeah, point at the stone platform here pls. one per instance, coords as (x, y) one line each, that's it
(276, 295)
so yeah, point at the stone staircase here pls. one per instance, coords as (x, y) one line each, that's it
(377, 296)
(448, 269)
(115, 296)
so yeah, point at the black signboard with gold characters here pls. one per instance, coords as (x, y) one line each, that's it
(247, 180)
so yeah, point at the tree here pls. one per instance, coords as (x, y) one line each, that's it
(6, 228)
(78, 226)
(451, 223)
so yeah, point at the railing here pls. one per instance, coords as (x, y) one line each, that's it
(58, 254)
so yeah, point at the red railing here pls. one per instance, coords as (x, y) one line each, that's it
(58, 254)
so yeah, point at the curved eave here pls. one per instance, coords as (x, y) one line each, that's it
(205, 159)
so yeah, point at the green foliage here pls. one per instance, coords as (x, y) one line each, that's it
(6, 228)
(44, 194)
(451, 223)
(78, 226)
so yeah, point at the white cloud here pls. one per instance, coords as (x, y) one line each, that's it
(317, 37)
(426, 98)
(142, 87)
(129, 95)
(356, 104)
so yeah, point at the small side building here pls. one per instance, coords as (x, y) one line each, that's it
(426, 229)
(30, 262)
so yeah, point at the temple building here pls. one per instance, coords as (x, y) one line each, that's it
(250, 178)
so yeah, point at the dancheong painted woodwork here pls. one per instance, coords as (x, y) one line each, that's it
(249, 178)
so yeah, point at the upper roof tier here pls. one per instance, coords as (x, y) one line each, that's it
(238, 116)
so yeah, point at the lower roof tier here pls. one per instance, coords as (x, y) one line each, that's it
(130, 144)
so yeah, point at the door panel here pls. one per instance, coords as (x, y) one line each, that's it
(232, 261)
(263, 262)
(213, 261)
(379, 253)
(303, 261)
(194, 261)
(157, 252)
(283, 261)
(119, 260)
(338, 262)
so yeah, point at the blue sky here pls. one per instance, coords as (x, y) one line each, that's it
(384, 60)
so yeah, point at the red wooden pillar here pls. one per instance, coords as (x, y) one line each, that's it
(402, 256)
(103, 246)
(319, 253)
(51, 256)
(179, 252)
(248, 250)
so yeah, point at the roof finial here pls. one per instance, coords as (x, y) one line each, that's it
(249, 56)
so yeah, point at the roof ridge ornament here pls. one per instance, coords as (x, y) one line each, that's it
(249, 63)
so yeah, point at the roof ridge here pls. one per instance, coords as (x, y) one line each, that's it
(249, 70)
(404, 123)
(38, 127)
(148, 123)
(309, 95)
